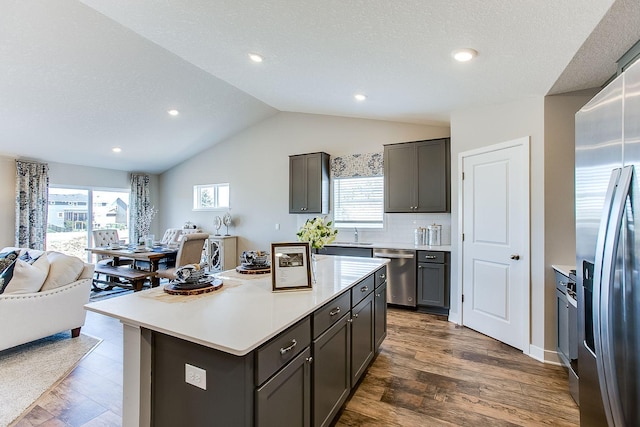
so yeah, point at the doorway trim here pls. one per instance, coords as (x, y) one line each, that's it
(524, 142)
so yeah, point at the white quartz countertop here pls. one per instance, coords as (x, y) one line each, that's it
(396, 245)
(563, 269)
(241, 315)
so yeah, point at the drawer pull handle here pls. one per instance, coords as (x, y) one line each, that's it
(364, 289)
(309, 359)
(383, 276)
(355, 316)
(334, 312)
(430, 257)
(378, 295)
(285, 350)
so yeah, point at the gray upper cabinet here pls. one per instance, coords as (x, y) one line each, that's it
(417, 176)
(309, 183)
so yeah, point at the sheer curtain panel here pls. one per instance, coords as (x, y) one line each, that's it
(32, 187)
(139, 207)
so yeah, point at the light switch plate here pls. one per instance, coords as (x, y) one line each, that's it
(195, 376)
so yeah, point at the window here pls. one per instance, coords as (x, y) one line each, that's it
(74, 212)
(211, 196)
(358, 202)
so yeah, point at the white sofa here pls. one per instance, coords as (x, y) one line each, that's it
(58, 305)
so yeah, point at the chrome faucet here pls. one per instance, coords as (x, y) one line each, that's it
(355, 235)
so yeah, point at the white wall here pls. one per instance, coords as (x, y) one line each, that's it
(7, 201)
(62, 174)
(488, 125)
(255, 162)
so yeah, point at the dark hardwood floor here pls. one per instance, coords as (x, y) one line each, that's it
(429, 372)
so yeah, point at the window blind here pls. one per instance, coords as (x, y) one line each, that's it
(358, 202)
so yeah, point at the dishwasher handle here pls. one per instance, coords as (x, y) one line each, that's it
(393, 256)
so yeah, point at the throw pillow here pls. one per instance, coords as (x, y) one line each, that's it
(5, 276)
(64, 269)
(7, 258)
(27, 278)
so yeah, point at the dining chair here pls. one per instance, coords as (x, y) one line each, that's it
(104, 238)
(189, 252)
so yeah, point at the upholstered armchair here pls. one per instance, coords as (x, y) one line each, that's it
(102, 239)
(171, 236)
(189, 252)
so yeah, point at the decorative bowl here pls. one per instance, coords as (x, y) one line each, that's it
(254, 258)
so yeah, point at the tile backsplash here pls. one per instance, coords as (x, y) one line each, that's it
(399, 228)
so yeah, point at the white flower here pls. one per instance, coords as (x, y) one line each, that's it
(316, 232)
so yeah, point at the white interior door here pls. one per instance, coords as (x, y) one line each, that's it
(495, 247)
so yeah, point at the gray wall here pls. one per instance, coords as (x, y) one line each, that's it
(255, 162)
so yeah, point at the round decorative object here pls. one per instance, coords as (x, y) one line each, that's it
(193, 288)
(226, 220)
(246, 269)
(217, 223)
(254, 258)
(189, 273)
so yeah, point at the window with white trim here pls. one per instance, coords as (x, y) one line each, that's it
(358, 202)
(211, 196)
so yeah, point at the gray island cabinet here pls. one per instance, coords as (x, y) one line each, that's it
(245, 356)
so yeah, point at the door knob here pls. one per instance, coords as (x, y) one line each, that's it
(516, 257)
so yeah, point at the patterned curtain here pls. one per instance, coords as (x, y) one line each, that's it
(32, 187)
(353, 165)
(139, 208)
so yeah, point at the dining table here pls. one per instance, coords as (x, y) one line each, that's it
(152, 256)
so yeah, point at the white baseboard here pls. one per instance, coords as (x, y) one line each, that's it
(545, 356)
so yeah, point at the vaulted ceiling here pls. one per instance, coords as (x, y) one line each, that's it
(78, 78)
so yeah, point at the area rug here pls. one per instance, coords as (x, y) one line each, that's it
(28, 370)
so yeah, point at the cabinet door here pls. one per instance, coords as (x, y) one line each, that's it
(331, 371)
(380, 314)
(297, 184)
(431, 284)
(433, 188)
(563, 326)
(314, 183)
(399, 178)
(285, 400)
(362, 340)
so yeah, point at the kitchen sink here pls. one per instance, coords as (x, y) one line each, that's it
(352, 243)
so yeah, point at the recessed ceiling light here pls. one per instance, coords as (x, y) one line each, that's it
(173, 112)
(116, 149)
(464, 55)
(360, 97)
(255, 57)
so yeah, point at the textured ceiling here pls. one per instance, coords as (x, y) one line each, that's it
(78, 78)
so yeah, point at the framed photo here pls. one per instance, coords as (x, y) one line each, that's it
(290, 266)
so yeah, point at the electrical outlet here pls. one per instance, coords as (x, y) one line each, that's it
(195, 376)
(277, 226)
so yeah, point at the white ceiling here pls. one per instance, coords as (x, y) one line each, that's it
(78, 78)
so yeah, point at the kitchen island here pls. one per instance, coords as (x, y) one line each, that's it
(222, 358)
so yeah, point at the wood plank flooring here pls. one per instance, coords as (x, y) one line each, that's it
(429, 372)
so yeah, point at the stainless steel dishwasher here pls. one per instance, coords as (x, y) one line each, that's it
(401, 275)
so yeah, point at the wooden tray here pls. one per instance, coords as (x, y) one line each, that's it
(253, 270)
(195, 289)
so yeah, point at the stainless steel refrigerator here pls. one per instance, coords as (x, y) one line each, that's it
(607, 200)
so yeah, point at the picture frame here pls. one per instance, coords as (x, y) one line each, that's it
(290, 266)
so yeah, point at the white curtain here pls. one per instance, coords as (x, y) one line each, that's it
(32, 187)
(140, 210)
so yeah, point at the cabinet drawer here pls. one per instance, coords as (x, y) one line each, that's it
(561, 282)
(281, 349)
(362, 289)
(330, 313)
(381, 276)
(431, 256)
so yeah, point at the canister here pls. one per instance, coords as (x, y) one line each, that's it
(434, 231)
(419, 236)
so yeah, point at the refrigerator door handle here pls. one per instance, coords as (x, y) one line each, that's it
(602, 290)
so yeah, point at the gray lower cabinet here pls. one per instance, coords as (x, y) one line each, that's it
(347, 251)
(285, 400)
(362, 340)
(301, 377)
(433, 281)
(380, 315)
(331, 371)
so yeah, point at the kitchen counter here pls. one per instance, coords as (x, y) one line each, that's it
(243, 314)
(233, 322)
(395, 245)
(563, 269)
